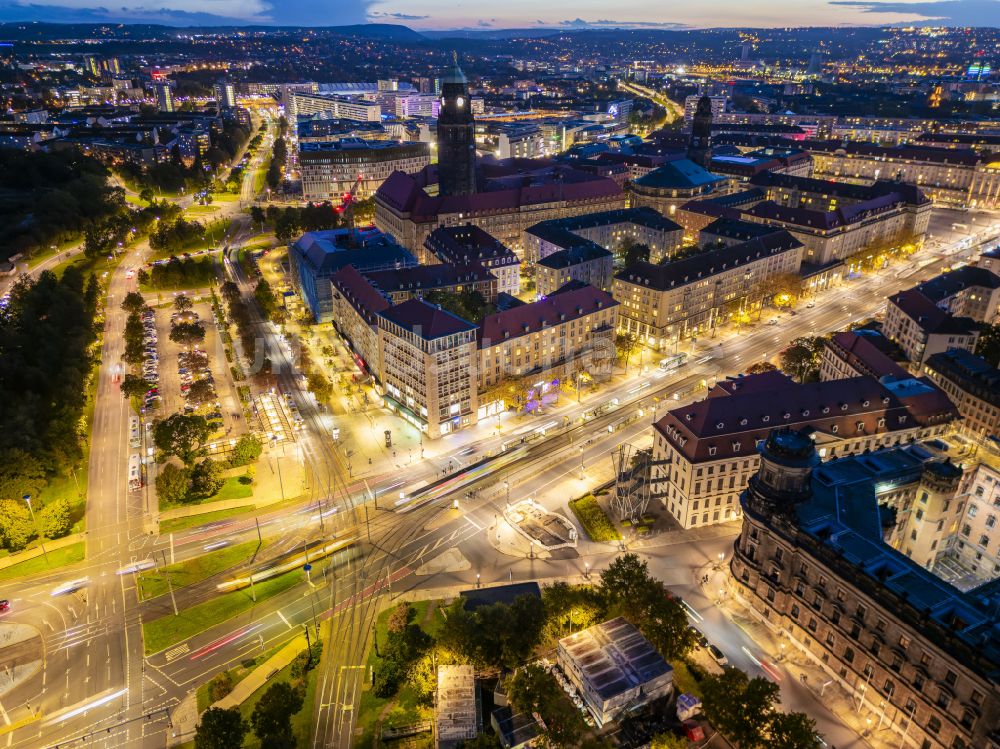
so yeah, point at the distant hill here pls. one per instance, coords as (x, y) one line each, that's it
(392, 31)
(536, 32)
(40, 31)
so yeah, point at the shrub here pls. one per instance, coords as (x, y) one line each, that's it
(594, 520)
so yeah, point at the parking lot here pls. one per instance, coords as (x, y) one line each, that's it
(182, 366)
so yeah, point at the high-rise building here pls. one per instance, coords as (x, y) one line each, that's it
(112, 66)
(92, 66)
(700, 145)
(456, 136)
(225, 94)
(164, 96)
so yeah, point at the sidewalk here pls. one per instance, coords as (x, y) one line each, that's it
(872, 724)
(260, 675)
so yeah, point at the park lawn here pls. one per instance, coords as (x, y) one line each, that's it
(36, 257)
(594, 520)
(38, 566)
(86, 264)
(684, 680)
(232, 488)
(406, 707)
(155, 582)
(203, 210)
(238, 674)
(168, 630)
(225, 197)
(179, 524)
(302, 721)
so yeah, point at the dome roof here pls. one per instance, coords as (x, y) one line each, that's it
(455, 75)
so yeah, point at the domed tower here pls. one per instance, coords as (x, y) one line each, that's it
(456, 136)
(921, 536)
(784, 478)
(700, 145)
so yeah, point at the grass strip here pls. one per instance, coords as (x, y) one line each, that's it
(179, 524)
(39, 566)
(157, 582)
(594, 520)
(169, 630)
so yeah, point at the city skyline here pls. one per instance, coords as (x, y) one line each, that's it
(436, 15)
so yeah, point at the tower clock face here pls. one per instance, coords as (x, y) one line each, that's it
(460, 102)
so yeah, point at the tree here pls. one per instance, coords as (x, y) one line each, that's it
(785, 289)
(761, 366)
(273, 175)
(988, 345)
(533, 689)
(266, 299)
(626, 589)
(632, 252)
(802, 358)
(133, 385)
(173, 484)
(181, 435)
(246, 450)
(201, 391)
(626, 344)
(257, 214)
(793, 731)
(272, 715)
(220, 729)
(133, 303)
(206, 478)
(55, 518)
(182, 303)
(21, 473)
(740, 707)
(146, 195)
(319, 386)
(16, 528)
(187, 333)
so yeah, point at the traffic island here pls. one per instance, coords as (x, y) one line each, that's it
(526, 529)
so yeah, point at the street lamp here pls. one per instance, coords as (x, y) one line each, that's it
(27, 498)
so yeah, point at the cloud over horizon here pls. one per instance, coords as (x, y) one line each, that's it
(945, 12)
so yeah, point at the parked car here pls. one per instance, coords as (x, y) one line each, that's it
(717, 655)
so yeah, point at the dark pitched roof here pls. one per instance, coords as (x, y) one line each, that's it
(357, 290)
(426, 320)
(691, 269)
(969, 372)
(931, 318)
(575, 256)
(429, 277)
(551, 310)
(948, 284)
(862, 353)
(466, 243)
(681, 174)
(733, 228)
(734, 417)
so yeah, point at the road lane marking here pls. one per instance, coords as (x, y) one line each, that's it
(177, 652)
(284, 619)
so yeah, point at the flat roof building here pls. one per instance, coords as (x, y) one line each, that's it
(614, 668)
(456, 708)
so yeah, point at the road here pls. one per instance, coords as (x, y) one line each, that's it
(95, 678)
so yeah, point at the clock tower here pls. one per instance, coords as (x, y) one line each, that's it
(456, 136)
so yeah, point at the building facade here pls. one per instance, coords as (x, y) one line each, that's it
(456, 136)
(973, 386)
(331, 169)
(470, 244)
(428, 359)
(704, 453)
(663, 304)
(923, 329)
(916, 654)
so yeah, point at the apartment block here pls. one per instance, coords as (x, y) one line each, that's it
(972, 385)
(704, 453)
(923, 329)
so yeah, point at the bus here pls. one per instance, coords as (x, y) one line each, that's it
(134, 434)
(134, 473)
(675, 361)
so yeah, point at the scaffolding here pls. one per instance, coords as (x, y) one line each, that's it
(632, 487)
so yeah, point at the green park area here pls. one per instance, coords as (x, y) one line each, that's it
(594, 520)
(233, 487)
(54, 560)
(169, 630)
(157, 582)
(173, 525)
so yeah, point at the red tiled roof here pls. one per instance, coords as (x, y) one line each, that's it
(364, 297)
(861, 354)
(551, 310)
